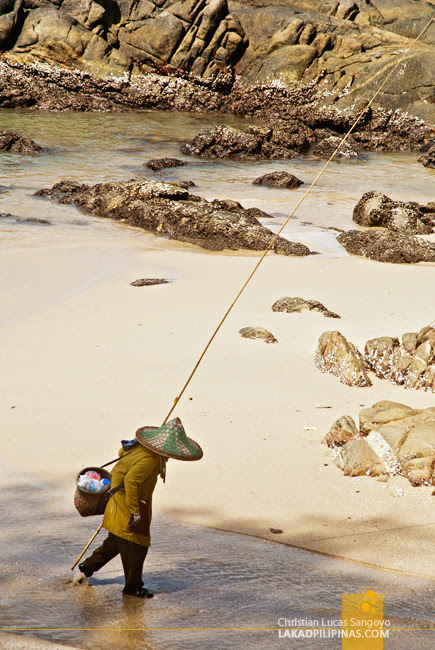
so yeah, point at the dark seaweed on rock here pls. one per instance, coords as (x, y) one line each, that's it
(387, 246)
(166, 209)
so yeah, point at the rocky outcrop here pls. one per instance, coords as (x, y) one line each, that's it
(257, 333)
(292, 122)
(254, 143)
(304, 132)
(393, 439)
(198, 36)
(409, 363)
(387, 246)
(346, 47)
(341, 358)
(296, 305)
(409, 218)
(428, 159)
(168, 210)
(11, 141)
(279, 179)
(343, 47)
(59, 88)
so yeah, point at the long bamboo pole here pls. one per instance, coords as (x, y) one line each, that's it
(87, 546)
(407, 51)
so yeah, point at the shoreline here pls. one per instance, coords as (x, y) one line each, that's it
(112, 358)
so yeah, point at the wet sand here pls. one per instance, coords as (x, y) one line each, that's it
(84, 373)
(212, 589)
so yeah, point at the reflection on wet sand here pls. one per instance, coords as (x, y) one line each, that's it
(212, 589)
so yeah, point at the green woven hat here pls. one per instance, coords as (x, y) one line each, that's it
(169, 440)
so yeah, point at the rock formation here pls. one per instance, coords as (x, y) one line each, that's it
(292, 305)
(11, 141)
(278, 179)
(344, 47)
(392, 439)
(341, 358)
(428, 159)
(409, 363)
(409, 218)
(166, 209)
(387, 246)
(257, 333)
(156, 164)
(254, 143)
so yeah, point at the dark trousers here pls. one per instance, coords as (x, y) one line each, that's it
(132, 557)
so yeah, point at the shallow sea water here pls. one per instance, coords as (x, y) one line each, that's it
(213, 589)
(98, 147)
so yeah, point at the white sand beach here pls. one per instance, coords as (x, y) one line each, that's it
(86, 371)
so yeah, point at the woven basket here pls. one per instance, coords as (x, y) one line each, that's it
(92, 503)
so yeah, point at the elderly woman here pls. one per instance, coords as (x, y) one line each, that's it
(128, 512)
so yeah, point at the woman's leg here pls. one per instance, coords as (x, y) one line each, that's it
(103, 554)
(133, 557)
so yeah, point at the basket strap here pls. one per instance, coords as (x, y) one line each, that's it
(112, 491)
(116, 459)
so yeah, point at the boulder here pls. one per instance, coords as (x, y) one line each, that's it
(343, 430)
(278, 179)
(10, 14)
(394, 433)
(387, 246)
(87, 12)
(428, 159)
(376, 209)
(50, 33)
(11, 141)
(393, 439)
(380, 355)
(166, 209)
(297, 305)
(224, 142)
(419, 471)
(409, 341)
(156, 164)
(153, 40)
(357, 458)
(341, 358)
(253, 143)
(257, 333)
(419, 443)
(411, 364)
(383, 412)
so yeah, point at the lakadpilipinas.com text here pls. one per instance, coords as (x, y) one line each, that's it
(329, 628)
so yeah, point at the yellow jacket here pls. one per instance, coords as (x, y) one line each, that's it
(139, 471)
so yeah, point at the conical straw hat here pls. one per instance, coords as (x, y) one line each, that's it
(169, 440)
